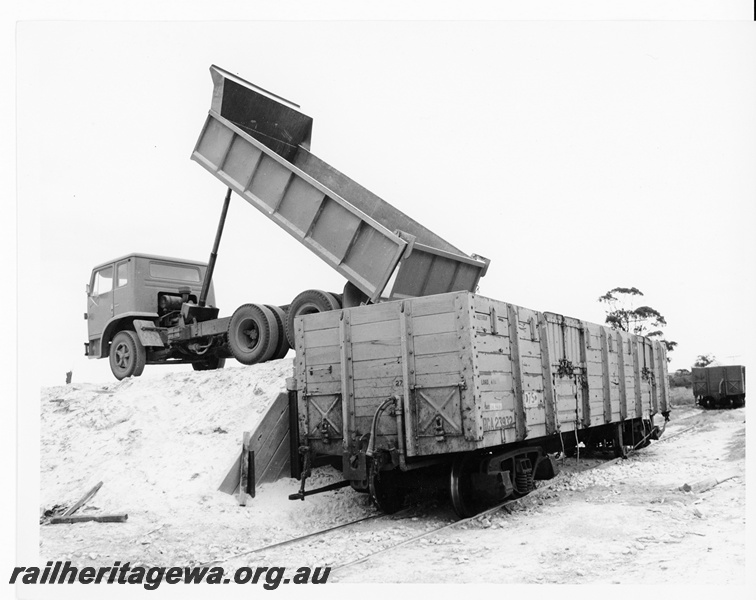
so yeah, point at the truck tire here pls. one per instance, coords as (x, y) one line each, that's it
(209, 364)
(252, 334)
(307, 303)
(283, 342)
(127, 355)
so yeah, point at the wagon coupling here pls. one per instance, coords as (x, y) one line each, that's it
(300, 495)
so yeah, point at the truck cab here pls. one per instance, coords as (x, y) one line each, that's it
(142, 288)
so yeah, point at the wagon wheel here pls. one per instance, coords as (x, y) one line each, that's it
(252, 334)
(461, 491)
(127, 355)
(386, 490)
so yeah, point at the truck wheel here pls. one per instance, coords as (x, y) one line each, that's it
(127, 355)
(307, 303)
(283, 342)
(252, 334)
(209, 364)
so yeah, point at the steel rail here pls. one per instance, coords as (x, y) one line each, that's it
(302, 537)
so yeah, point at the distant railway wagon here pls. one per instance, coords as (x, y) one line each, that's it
(465, 389)
(719, 386)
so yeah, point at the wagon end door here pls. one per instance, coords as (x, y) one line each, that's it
(319, 383)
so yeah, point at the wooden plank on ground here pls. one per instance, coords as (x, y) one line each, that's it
(85, 518)
(83, 500)
(270, 444)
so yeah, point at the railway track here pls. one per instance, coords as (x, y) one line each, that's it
(402, 514)
(490, 511)
(306, 536)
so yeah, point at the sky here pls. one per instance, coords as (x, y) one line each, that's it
(577, 156)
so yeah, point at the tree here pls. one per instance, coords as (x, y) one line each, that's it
(704, 360)
(621, 314)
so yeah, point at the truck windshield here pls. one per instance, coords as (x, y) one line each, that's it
(177, 272)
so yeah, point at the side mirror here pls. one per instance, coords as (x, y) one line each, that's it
(87, 289)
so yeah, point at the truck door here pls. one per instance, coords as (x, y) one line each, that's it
(100, 301)
(121, 297)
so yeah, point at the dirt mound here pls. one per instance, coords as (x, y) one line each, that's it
(156, 444)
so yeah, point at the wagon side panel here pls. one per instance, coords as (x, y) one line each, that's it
(628, 396)
(443, 415)
(377, 371)
(494, 380)
(533, 410)
(597, 375)
(565, 341)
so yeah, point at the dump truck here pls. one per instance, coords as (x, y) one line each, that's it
(258, 145)
(129, 297)
(719, 386)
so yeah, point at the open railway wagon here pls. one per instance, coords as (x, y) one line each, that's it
(719, 386)
(472, 392)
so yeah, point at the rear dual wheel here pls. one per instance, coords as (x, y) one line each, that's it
(283, 342)
(307, 303)
(253, 334)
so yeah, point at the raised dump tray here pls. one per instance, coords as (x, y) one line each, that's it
(257, 144)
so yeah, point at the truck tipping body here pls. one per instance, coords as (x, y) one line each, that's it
(257, 144)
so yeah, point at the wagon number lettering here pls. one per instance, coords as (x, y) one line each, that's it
(491, 423)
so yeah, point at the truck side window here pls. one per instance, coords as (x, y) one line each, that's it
(176, 272)
(122, 273)
(103, 282)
